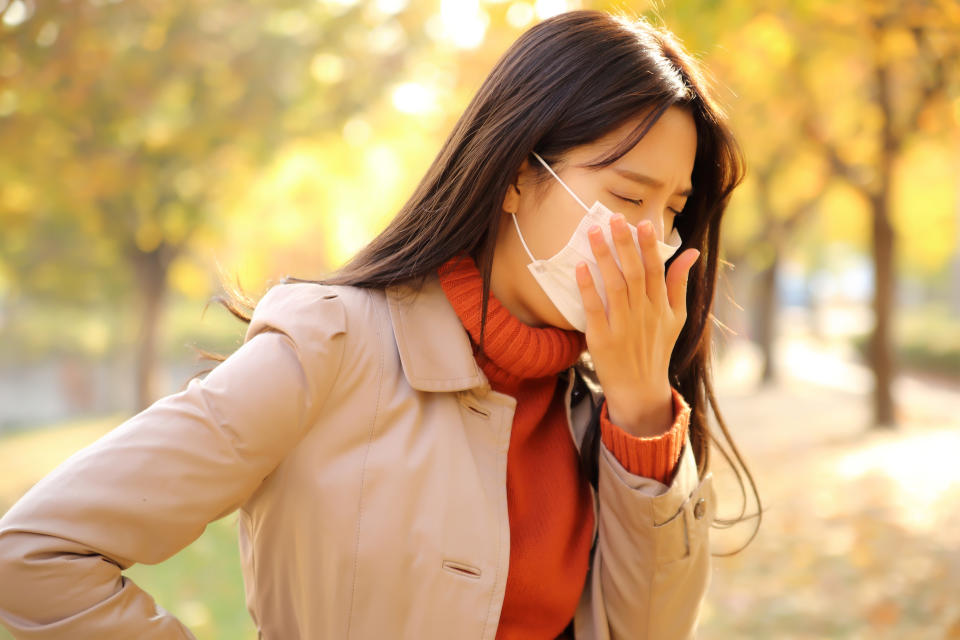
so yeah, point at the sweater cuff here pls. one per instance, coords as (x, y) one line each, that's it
(652, 457)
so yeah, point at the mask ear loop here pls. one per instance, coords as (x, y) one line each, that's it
(562, 183)
(527, 249)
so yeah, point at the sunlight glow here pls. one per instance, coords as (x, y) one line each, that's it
(15, 14)
(414, 98)
(922, 468)
(326, 68)
(387, 39)
(520, 14)
(820, 366)
(390, 7)
(548, 8)
(350, 234)
(463, 23)
(383, 164)
(356, 131)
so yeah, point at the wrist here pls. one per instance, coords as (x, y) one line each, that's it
(646, 416)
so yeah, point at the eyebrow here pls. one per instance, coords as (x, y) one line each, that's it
(647, 180)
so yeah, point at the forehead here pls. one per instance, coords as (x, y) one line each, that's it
(667, 151)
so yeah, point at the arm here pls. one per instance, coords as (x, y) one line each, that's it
(651, 565)
(653, 457)
(149, 487)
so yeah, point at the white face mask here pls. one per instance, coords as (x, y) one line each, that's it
(557, 274)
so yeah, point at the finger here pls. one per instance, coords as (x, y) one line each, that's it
(592, 303)
(615, 287)
(652, 266)
(677, 281)
(630, 258)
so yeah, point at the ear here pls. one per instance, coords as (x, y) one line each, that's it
(511, 200)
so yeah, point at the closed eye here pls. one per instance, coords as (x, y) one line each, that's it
(638, 202)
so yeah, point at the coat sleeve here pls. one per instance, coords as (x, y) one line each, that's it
(650, 568)
(650, 456)
(149, 487)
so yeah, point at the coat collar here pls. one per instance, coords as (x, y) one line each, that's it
(434, 347)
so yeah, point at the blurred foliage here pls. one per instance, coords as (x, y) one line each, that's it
(126, 125)
(279, 136)
(807, 113)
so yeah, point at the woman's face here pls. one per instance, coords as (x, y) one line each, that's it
(650, 182)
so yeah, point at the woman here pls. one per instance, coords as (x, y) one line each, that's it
(490, 423)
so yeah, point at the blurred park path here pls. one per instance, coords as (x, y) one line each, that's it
(858, 538)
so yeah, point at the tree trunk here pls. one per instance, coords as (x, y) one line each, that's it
(766, 316)
(953, 293)
(881, 345)
(151, 276)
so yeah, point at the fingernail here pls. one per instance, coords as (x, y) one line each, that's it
(646, 226)
(595, 229)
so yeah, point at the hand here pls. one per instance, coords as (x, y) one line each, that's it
(631, 342)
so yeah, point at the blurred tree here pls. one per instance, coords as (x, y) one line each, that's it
(123, 125)
(786, 178)
(896, 63)
(120, 121)
(778, 225)
(830, 98)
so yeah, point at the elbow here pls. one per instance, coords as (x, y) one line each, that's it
(26, 577)
(42, 583)
(16, 576)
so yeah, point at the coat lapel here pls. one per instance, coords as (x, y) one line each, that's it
(435, 349)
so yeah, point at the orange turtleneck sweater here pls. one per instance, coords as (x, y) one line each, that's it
(548, 499)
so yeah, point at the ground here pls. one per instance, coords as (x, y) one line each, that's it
(858, 537)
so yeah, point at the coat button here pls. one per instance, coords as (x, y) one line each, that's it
(699, 508)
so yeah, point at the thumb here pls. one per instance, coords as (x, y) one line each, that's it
(677, 280)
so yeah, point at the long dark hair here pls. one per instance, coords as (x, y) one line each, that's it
(565, 82)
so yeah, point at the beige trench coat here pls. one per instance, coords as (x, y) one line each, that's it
(366, 453)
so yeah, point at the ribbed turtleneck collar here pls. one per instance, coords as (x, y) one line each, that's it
(516, 351)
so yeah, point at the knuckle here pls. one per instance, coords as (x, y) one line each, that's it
(636, 280)
(637, 269)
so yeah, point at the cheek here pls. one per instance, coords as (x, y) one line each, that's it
(552, 231)
(557, 236)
